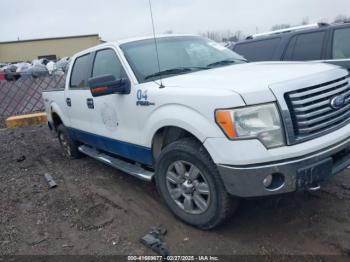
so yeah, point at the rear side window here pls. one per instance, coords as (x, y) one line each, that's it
(341, 43)
(80, 72)
(107, 63)
(305, 47)
(262, 50)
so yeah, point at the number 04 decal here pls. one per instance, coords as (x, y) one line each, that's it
(141, 95)
(142, 98)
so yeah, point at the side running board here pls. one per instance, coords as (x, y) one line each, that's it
(124, 166)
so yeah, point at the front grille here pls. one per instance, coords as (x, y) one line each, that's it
(311, 110)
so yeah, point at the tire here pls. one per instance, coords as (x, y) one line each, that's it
(199, 197)
(69, 145)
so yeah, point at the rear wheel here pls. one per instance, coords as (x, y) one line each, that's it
(191, 186)
(69, 145)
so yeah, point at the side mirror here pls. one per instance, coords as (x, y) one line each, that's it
(107, 85)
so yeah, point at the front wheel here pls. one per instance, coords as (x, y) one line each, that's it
(191, 186)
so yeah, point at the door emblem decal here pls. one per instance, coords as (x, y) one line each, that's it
(109, 117)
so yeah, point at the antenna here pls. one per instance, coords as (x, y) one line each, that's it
(155, 43)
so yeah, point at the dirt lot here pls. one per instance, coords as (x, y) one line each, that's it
(98, 210)
(2, 122)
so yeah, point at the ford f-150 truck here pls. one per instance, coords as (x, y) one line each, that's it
(202, 123)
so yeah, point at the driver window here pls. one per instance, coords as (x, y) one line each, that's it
(107, 63)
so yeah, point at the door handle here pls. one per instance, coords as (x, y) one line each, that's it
(90, 103)
(69, 102)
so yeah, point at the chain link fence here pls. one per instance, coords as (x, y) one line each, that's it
(24, 96)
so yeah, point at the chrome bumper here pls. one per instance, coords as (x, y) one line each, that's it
(298, 174)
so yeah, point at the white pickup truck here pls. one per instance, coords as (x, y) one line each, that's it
(202, 123)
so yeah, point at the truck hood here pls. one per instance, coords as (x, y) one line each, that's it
(251, 80)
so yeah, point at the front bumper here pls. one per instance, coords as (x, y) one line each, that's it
(298, 173)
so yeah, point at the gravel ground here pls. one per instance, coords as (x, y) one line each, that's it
(97, 210)
(2, 122)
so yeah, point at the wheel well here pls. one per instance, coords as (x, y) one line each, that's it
(167, 135)
(56, 120)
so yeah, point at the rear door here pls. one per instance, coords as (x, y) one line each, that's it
(79, 101)
(339, 48)
(306, 47)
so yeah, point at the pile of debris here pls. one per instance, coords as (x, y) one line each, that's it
(36, 68)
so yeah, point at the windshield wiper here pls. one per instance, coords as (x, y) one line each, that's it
(174, 71)
(222, 62)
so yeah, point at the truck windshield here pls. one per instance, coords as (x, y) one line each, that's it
(177, 55)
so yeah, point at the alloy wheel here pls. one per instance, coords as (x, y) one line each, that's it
(188, 187)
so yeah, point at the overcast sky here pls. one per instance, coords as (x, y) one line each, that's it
(117, 19)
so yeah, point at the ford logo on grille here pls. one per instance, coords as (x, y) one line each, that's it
(338, 102)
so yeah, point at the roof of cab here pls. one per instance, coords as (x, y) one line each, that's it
(129, 40)
(134, 39)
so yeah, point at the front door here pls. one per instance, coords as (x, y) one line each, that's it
(117, 116)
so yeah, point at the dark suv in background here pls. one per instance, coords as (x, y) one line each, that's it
(326, 42)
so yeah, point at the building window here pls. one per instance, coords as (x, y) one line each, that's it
(48, 57)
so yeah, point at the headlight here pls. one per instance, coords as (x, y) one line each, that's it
(261, 122)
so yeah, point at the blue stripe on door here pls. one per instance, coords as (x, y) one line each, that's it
(134, 152)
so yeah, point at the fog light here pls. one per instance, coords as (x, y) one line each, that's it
(267, 181)
(275, 182)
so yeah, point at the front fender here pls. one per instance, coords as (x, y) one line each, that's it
(183, 117)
